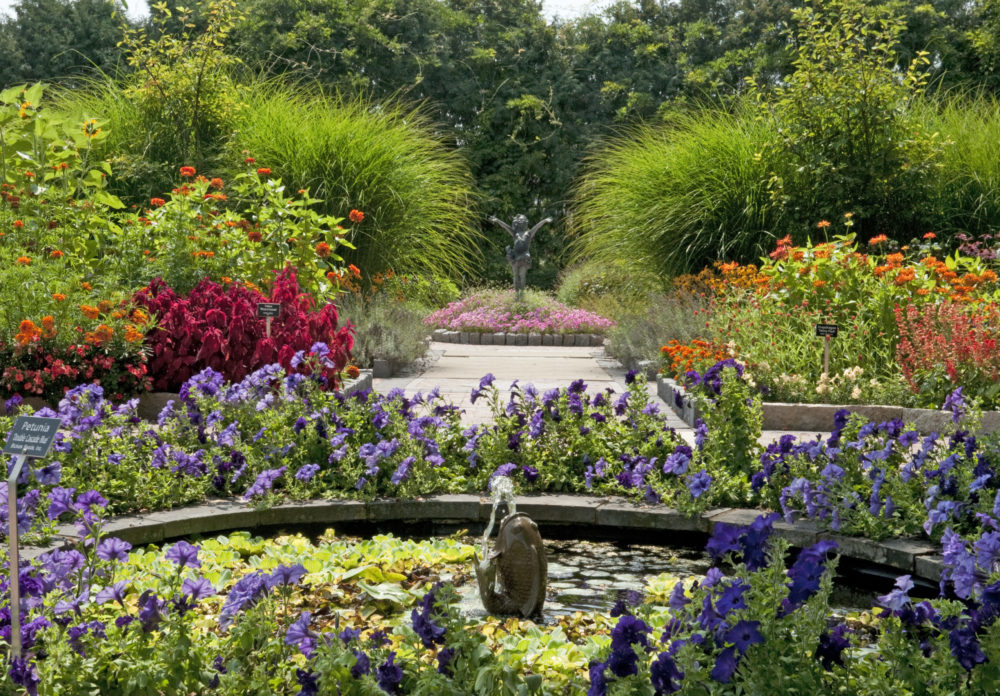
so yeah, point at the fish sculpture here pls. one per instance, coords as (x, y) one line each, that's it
(518, 556)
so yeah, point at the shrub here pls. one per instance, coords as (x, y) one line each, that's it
(674, 199)
(676, 315)
(218, 328)
(385, 327)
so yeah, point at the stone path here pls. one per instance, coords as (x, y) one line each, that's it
(456, 368)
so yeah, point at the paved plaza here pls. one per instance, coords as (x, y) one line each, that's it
(456, 368)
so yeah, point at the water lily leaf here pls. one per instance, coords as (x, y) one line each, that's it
(386, 591)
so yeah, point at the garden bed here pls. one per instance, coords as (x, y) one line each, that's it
(486, 338)
(819, 417)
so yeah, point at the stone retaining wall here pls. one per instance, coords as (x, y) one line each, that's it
(819, 417)
(517, 339)
(655, 525)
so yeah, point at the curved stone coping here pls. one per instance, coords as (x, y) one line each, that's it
(517, 339)
(819, 417)
(654, 524)
(151, 403)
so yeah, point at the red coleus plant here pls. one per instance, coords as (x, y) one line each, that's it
(218, 327)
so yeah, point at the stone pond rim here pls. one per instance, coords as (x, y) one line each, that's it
(583, 513)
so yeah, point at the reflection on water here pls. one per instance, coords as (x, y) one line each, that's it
(591, 575)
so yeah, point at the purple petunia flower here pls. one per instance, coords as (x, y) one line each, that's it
(298, 635)
(48, 475)
(113, 548)
(306, 472)
(264, 483)
(183, 554)
(389, 675)
(197, 588)
(699, 483)
(286, 575)
(113, 593)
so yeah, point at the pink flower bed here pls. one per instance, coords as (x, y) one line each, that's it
(492, 311)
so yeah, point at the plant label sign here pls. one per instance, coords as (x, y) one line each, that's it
(827, 330)
(32, 436)
(268, 310)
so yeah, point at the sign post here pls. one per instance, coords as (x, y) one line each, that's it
(827, 331)
(268, 311)
(31, 436)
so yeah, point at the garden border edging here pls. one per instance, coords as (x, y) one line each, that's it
(484, 338)
(819, 417)
(911, 556)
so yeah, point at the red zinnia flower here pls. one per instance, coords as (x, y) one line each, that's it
(322, 250)
(157, 202)
(264, 171)
(188, 171)
(356, 216)
(254, 236)
(930, 235)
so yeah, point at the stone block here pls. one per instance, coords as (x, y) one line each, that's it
(583, 340)
(438, 335)
(381, 368)
(900, 554)
(560, 509)
(136, 530)
(558, 339)
(596, 340)
(569, 339)
(151, 403)
(631, 516)
(534, 339)
(444, 507)
(926, 420)
(548, 340)
(510, 339)
(314, 512)
(486, 339)
(520, 339)
(463, 336)
(475, 338)
(990, 422)
(363, 382)
(206, 518)
(929, 567)
(499, 339)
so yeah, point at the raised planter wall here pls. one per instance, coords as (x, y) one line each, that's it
(517, 339)
(819, 417)
(653, 524)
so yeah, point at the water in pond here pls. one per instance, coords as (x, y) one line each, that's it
(590, 576)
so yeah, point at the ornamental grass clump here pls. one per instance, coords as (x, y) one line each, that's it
(494, 311)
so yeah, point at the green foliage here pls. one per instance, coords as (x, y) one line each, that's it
(59, 39)
(416, 196)
(847, 139)
(665, 316)
(384, 327)
(674, 199)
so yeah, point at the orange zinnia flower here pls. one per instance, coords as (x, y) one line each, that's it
(322, 250)
(18, 223)
(930, 235)
(216, 182)
(86, 286)
(23, 261)
(103, 333)
(352, 371)
(823, 224)
(58, 296)
(56, 254)
(264, 171)
(188, 171)
(355, 271)
(90, 312)
(139, 316)
(132, 334)
(254, 236)
(878, 239)
(356, 216)
(105, 306)
(157, 202)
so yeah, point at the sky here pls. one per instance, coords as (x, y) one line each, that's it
(567, 9)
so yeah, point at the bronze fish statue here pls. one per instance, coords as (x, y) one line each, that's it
(519, 556)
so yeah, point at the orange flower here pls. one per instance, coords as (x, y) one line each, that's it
(86, 286)
(254, 236)
(823, 224)
(23, 261)
(264, 171)
(249, 160)
(904, 276)
(58, 296)
(894, 259)
(216, 183)
(139, 316)
(878, 239)
(923, 291)
(203, 254)
(56, 254)
(881, 270)
(930, 235)
(132, 334)
(322, 250)
(90, 312)
(49, 326)
(103, 333)
(352, 371)
(356, 216)
(105, 306)
(18, 223)
(29, 175)
(226, 280)
(355, 271)
(819, 283)
(157, 202)
(989, 276)
(28, 332)
(188, 171)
